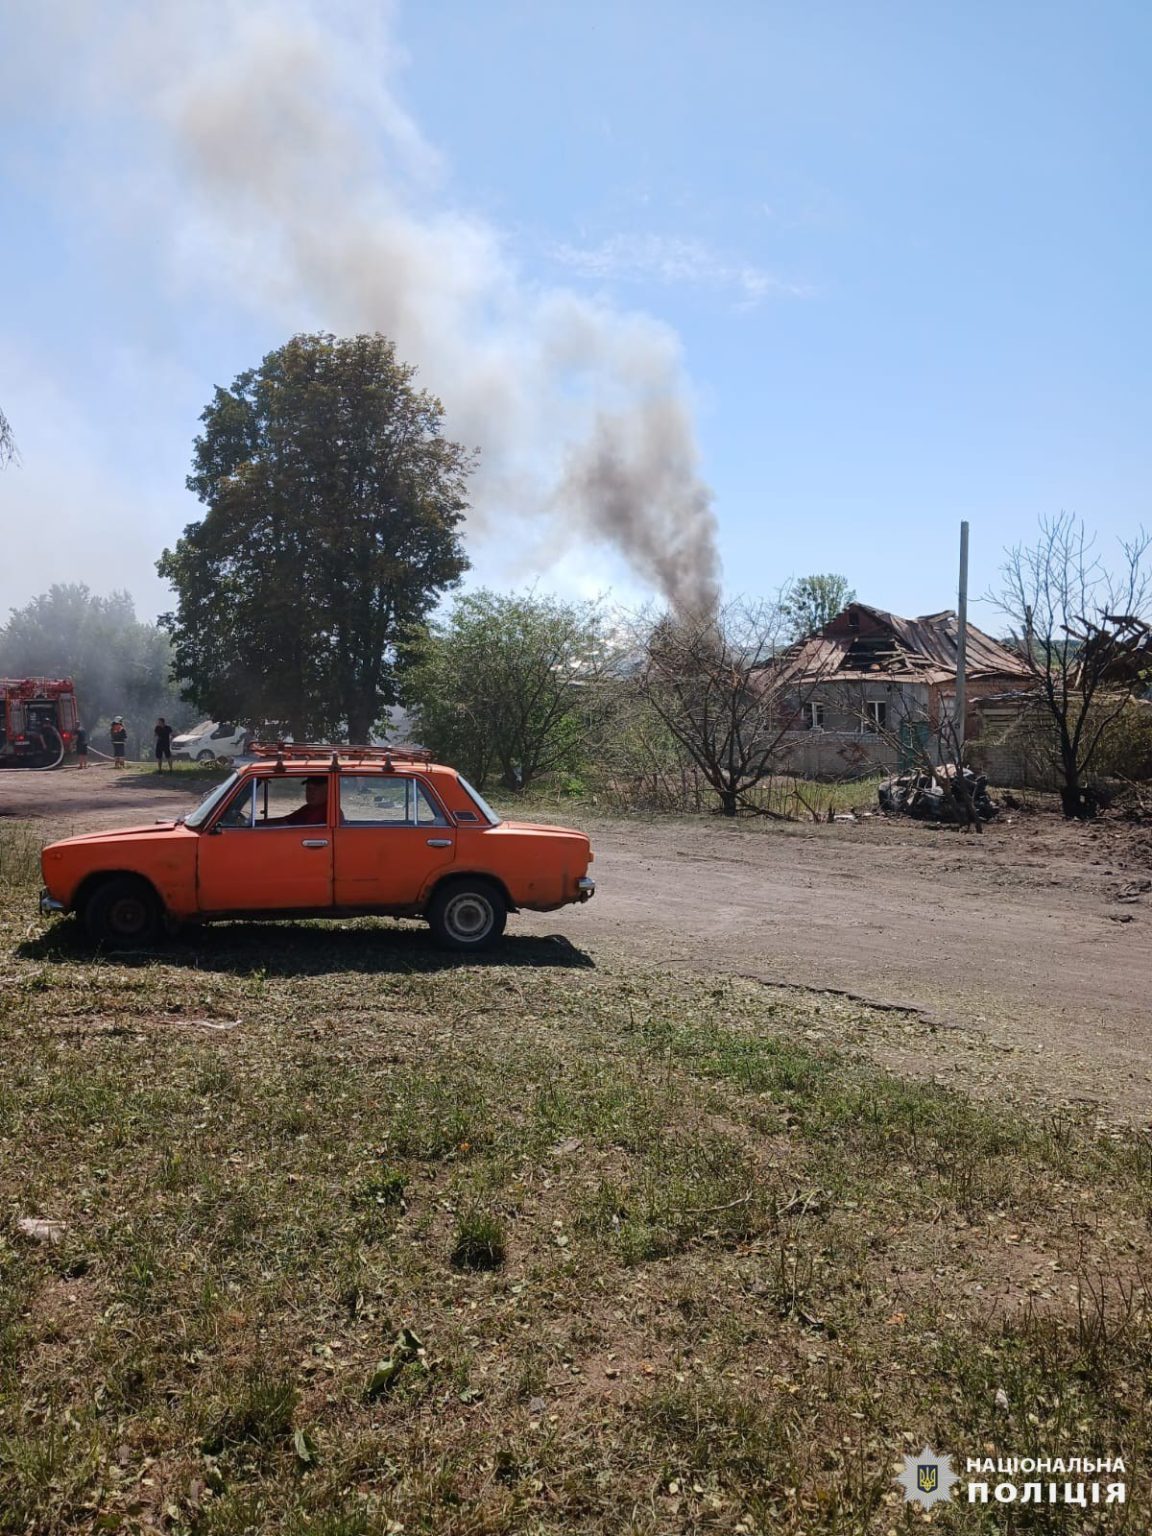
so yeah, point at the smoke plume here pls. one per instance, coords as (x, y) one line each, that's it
(314, 192)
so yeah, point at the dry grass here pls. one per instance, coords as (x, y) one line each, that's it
(361, 1240)
(20, 844)
(782, 795)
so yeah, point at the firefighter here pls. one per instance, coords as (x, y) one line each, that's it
(81, 746)
(119, 734)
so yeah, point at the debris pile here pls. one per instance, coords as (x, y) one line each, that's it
(942, 795)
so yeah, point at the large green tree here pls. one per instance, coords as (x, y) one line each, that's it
(510, 685)
(334, 502)
(810, 602)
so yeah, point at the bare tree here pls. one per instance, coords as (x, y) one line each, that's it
(8, 450)
(1080, 628)
(723, 687)
(638, 764)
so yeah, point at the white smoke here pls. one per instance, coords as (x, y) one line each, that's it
(309, 191)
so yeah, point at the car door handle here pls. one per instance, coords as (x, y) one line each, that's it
(314, 842)
(439, 842)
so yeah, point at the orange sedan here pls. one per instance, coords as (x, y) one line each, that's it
(322, 832)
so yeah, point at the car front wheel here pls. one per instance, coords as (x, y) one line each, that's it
(123, 914)
(467, 915)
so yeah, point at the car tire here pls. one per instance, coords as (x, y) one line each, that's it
(205, 757)
(123, 914)
(467, 915)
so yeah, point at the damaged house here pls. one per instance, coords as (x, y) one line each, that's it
(870, 690)
(1097, 672)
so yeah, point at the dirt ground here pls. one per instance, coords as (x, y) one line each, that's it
(1022, 954)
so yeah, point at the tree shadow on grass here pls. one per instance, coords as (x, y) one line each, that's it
(193, 782)
(307, 948)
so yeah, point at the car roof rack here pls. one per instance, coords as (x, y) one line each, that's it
(337, 752)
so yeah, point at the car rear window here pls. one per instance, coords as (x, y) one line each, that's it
(486, 811)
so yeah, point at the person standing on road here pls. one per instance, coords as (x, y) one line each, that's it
(81, 747)
(163, 735)
(119, 734)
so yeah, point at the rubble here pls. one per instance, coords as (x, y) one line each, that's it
(938, 796)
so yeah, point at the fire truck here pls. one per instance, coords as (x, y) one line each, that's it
(37, 721)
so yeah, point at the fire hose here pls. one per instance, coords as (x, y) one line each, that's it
(47, 731)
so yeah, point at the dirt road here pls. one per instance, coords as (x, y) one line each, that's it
(1022, 939)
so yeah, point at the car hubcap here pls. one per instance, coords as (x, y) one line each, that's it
(128, 916)
(468, 916)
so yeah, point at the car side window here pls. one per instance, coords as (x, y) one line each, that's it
(376, 800)
(291, 801)
(427, 814)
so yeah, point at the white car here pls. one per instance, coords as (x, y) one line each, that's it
(211, 739)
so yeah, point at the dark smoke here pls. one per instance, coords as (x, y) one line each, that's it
(315, 189)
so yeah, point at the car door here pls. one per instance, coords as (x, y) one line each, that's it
(391, 839)
(270, 848)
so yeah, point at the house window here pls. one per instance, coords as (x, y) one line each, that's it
(815, 717)
(876, 715)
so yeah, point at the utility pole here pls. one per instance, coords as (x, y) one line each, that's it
(962, 646)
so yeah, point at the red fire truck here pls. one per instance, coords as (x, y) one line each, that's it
(37, 721)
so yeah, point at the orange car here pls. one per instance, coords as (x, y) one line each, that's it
(322, 832)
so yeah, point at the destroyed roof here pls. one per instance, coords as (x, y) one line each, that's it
(1118, 649)
(863, 643)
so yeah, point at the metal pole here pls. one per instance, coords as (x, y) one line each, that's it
(962, 646)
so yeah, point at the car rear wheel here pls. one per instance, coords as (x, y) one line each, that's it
(467, 915)
(123, 914)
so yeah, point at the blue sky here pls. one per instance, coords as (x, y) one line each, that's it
(885, 264)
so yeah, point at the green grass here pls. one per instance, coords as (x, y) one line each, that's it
(810, 800)
(361, 1239)
(479, 1242)
(186, 775)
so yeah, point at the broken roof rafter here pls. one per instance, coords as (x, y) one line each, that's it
(921, 650)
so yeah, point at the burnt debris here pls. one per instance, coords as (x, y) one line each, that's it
(942, 796)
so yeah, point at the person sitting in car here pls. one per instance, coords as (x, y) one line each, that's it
(314, 811)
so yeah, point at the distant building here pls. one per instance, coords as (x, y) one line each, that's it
(871, 690)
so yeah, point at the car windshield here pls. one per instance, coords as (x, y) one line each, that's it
(200, 815)
(480, 800)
